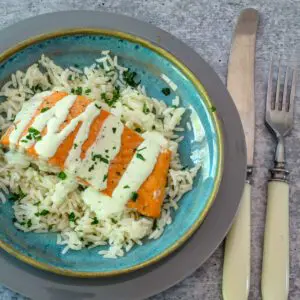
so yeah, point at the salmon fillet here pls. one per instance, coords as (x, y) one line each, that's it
(149, 197)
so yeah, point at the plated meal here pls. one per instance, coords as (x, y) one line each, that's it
(88, 155)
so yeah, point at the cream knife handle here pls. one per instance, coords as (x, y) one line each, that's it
(275, 271)
(236, 270)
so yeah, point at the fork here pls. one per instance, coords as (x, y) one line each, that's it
(279, 119)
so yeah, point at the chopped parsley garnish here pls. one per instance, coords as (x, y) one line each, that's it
(44, 212)
(50, 227)
(82, 188)
(146, 110)
(100, 157)
(95, 221)
(37, 88)
(62, 175)
(44, 109)
(75, 146)
(29, 223)
(174, 106)
(114, 129)
(14, 220)
(134, 196)
(166, 91)
(33, 134)
(91, 168)
(114, 98)
(140, 156)
(104, 177)
(153, 127)
(72, 217)
(114, 221)
(77, 91)
(213, 109)
(114, 147)
(87, 91)
(98, 106)
(70, 77)
(139, 130)
(16, 196)
(76, 65)
(37, 203)
(106, 150)
(129, 78)
(154, 226)
(126, 187)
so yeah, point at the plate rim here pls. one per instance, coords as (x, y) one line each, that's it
(219, 142)
(192, 255)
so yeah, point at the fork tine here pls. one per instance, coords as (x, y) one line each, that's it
(269, 91)
(292, 94)
(277, 102)
(285, 102)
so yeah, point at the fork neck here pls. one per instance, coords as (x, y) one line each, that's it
(279, 173)
(280, 152)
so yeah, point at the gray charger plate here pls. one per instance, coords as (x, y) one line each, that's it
(141, 284)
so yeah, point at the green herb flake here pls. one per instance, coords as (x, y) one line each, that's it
(105, 177)
(145, 109)
(114, 221)
(87, 91)
(95, 221)
(115, 96)
(213, 109)
(62, 175)
(98, 106)
(166, 91)
(139, 130)
(44, 109)
(91, 168)
(129, 78)
(100, 157)
(154, 225)
(82, 188)
(78, 91)
(50, 227)
(70, 77)
(29, 223)
(114, 147)
(134, 196)
(114, 129)
(126, 187)
(174, 106)
(140, 156)
(72, 217)
(13, 197)
(37, 203)
(44, 212)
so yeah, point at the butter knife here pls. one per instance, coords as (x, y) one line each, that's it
(240, 84)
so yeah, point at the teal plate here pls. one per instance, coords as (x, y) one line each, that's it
(202, 144)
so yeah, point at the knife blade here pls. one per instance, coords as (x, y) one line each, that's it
(240, 84)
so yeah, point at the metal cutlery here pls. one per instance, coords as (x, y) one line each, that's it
(279, 118)
(240, 83)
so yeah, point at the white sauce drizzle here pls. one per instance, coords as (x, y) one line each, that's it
(73, 160)
(24, 116)
(136, 173)
(94, 167)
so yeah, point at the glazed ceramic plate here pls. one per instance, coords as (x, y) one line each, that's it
(203, 144)
(152, 279)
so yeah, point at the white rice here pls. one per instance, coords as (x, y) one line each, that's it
(34, 209)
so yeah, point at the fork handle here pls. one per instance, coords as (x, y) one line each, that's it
(275, 270)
